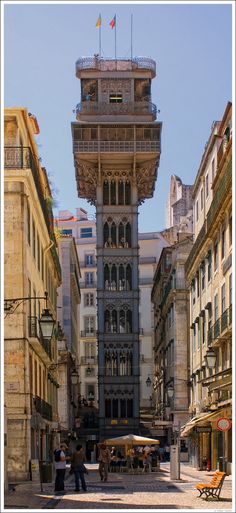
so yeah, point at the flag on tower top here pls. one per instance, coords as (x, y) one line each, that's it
(113, 22)
(99, 21)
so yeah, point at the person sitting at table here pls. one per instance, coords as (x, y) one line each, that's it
(113, 462)
(121, 459)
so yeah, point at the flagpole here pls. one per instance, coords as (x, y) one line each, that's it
(131, 30)
(100, 38)
(115, 38)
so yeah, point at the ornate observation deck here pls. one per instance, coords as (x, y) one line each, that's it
(100, 64)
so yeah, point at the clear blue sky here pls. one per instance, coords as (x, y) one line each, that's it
(191, 45)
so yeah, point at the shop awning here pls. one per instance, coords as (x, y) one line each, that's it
(200, 420)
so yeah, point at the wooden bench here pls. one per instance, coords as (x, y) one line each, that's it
(213, 488)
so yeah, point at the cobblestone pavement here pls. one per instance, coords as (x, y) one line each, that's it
(123, 491)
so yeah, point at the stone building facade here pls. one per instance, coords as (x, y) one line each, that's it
(69, 297)
(209, 275)
(116, 145)
(179, 205)
(31, 267)
(171, 337)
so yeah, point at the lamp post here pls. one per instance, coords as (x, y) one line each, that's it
(210, 358)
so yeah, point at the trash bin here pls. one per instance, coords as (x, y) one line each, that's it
(46, 472)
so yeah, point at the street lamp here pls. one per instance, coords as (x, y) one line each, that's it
(210, 358)
(47, 324)
(74, 377)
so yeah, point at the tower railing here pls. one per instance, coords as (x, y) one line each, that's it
(102, 108)
(99, 63)
(116, 146)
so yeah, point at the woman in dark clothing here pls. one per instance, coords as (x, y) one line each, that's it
(77, 463)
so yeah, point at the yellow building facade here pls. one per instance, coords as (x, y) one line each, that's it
(31, 267)
(209, 275)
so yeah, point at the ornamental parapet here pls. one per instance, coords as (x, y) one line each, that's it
(99, 63)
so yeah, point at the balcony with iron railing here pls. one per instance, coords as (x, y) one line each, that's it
(41, 345)
(119, 64)
(116, 146)
(89, 333)
(22, 158)
(173, 284)
(116, 109)
(218, 330)
(88, 285)
(42, 407)
(88, 360)
(19, 157)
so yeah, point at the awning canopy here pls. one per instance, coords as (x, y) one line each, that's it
(200, 420)
(131, 440)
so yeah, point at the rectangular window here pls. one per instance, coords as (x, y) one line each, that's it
(86, 233)
(213, 170)
(34, 239)
(223, 298)
(209, 322)
(38, 252)
(216, 255)
(35, 377)
(216, 314)
(223, 243)
(230, 289)
(199, 335)
(66, 232)
(198, 288)
(40, 381)
(201, 198)
(89, 299)
(203, 328)
(230, 231)
(90, 393)
(90, 350)
(89, 325)
(197, 213)
(42, 264)
(28, 225)
(194, 291)
(209, 267)
(115, 98)
(88, 259)
(203, 275)
(89, 279)
(207, 186)
(194, 338)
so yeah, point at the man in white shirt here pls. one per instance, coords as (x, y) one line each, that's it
(60, 467)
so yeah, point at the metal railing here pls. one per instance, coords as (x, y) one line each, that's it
(22, 158)
(220, 195)
(116, 146)
(88, 333)
(196, 246)
(42, 407)
(173, 284)
(99, 63)
(103, 108)
(87, 285)
(88, 360)
(34, 331)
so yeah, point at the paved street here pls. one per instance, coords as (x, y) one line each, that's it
(155, 491)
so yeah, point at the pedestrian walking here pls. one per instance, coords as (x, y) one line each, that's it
(104, 459)
(77, 464)
(60, 467)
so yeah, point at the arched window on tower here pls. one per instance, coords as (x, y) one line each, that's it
(113, 234)
(127, 193)
(105, 234)
(128, 277)
(106, 277)
(121, 277)
(113, 192)
(128, 234)
(121, 191)
(106, 192)
(113, 278)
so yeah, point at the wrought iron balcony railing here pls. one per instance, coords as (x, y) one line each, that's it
(42, 407)
(22, 158)
(118, 109)
(88, 285)
(35, 331)
(89, 333)
(88, 360)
